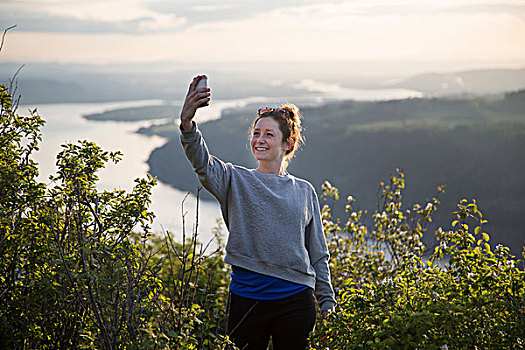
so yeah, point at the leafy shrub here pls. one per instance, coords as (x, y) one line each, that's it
(195, 290)
(72, 274)
(392, 296)
(80, 268)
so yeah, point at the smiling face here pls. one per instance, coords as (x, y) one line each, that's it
(267, 141)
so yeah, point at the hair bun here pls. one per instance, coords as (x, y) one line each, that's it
(294, 112)
(295, 121)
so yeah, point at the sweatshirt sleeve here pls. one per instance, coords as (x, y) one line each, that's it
(212, 172)
(318, 252)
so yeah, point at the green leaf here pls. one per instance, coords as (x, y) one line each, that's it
(171, 334)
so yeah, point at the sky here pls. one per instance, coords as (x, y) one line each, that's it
(110, 31)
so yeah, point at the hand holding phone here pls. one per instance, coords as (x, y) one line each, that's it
(198, 96)
(203, 83)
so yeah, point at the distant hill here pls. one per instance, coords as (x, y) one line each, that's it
(57, 83)
(474, 146)
(487, 81)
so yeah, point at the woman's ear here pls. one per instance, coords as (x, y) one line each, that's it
(289, 146)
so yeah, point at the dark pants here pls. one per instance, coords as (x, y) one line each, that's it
(288, 321)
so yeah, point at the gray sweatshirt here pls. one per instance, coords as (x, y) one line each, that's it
(274, 221)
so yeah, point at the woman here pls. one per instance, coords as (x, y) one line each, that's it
(276, 244)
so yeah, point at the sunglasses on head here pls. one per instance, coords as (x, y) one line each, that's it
(264, 110)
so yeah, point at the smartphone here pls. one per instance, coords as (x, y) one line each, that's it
(202, 83)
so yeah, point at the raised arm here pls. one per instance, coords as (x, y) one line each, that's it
(212, 172)
(195, 98)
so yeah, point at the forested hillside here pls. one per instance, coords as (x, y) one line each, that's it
(482, 81)
(473, 146)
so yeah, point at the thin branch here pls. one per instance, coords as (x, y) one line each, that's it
(14, 79)
(193, 242)
(3, 36)
(12, 92)
(68, 273)
(207, 246)
(183, 266)
(171, 273)
(96, 307)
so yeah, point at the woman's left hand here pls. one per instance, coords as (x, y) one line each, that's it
(195, 98)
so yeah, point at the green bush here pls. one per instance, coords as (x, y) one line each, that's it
(80, 268)
(71, 273)
(392, 296)
(191, 311)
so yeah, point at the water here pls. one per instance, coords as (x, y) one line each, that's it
(328, 92)
(64, 123)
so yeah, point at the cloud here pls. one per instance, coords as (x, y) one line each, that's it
(58, 24)
(170, 16)
(375, 8)
(295, 34)
(93, 16)
(514, 9)
(199, 11)
(131, 16)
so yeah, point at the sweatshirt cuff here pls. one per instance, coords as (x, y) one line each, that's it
(190, 134)
(327, 306)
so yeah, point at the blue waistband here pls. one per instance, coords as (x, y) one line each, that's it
(254, 285)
